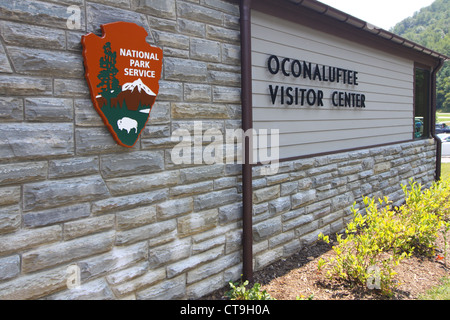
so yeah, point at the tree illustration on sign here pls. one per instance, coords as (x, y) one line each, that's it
(108, 82)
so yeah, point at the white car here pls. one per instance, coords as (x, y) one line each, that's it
(445, 138)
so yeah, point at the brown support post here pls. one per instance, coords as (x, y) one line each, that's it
(247, 123)
(433, 120)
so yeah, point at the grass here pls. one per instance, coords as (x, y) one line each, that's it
(445, 171)
(441, 292)
(443, 117)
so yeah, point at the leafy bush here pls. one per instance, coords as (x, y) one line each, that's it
(378, 240)
(239, 291)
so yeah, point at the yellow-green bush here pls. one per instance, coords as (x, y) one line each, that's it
(381, 236)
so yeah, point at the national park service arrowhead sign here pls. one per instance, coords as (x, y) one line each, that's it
(122, 71)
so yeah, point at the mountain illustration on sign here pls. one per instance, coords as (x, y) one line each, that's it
(123, 100)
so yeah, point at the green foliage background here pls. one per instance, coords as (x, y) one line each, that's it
(430, 28)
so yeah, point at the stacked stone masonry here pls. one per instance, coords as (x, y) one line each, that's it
(133, 223)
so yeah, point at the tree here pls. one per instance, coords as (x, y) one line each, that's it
(430, 27)
(108, 81)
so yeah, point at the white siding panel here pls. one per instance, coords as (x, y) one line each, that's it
(385, 80)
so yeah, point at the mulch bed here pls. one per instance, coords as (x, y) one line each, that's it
(297, 276)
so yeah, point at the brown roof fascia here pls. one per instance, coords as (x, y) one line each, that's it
(316, 15)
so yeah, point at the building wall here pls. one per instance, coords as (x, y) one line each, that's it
(314, 195)
(136, 224)
(130, 222)
(386, 82)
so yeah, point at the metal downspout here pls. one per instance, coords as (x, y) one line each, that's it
(433, 120)
(247, 123)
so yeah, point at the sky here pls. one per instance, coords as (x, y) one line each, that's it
(381, 13)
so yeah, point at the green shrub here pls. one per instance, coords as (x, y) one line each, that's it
(361, 254)
(239, 291)
(378, 240)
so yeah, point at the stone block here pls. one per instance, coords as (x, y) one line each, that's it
(205, 50)
(185, 70)
(230, 213)
(95, 140)
(78, 166)
(280, 205)
(71, 88)
(191, 28)
(127, 274)
(145, 232)
(268, 257)
(223, 34)
(142, 162)
(25, 86)
(142, 183)
(168, 253)
(27, 35)
(34, 286)
(216, 199)
(10, 219)
(40, 13)
(199, 111)
(266, 229)
(83, 227)
(184, 265)
(191, 189)
(225, 78)
(168, 91)
(46, 63)
(113, 260)
(226, 94)
(94, 290)
(85, 114)
(63, 252)
(170, 39)
(196, 174)
(197, 222)
(231, 54)
(10, 195)
(33, 140)
(173, 289)
(129, 201)
(303, 198)
(213, 268)
(28, 239)
(202, 288)
(9, 267)
(162, 9)
(5, 65)
(137, 217)
(188, 10)
(266, 194)
(49, 110)
(17, 173)
(50, 194)
(52, 216)
(148, 279)
(11, 109)
(197, 92)
(173, 208)
(98, 14)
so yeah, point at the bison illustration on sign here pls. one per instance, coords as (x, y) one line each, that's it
(123, 72)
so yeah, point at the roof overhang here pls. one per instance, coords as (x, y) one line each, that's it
(322, 17)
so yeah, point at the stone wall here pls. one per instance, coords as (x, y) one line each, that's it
(314, 195)
(130, 222)
(134, 223)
